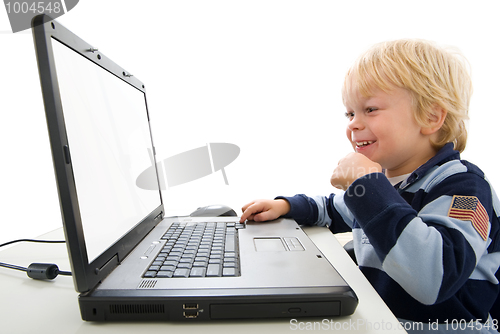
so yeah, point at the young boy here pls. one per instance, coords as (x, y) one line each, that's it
(424, 222)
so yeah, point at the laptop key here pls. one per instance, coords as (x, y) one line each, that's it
(230, 243)
(213, 270)
(229, 271)
(184, 265)
(165, 274)
(170, 263)
(200, 264)
(167, 268)
(229, 264)
(215, 261)
(181, 272)
(150, 274)
(197, 272)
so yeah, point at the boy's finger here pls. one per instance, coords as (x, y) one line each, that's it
(244, 216)
(246, 206)
(248, 213)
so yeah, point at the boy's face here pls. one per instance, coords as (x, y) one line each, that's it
(383, 128)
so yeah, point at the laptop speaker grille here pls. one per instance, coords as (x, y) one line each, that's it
(147, 284)
(136, 309)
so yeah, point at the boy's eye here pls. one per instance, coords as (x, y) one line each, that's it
(349, 115)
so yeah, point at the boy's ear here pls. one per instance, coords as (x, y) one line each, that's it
(435, 120)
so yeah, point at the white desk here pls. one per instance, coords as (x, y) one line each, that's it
(30, 306)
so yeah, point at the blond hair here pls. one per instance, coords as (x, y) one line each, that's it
(433, 76)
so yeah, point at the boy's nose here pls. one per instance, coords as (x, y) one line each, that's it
(355, 124)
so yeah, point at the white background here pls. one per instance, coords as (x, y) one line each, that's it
(264, 75)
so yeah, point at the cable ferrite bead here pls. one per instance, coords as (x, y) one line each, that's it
(43, 270)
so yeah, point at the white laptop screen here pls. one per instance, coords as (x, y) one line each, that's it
(110, 145)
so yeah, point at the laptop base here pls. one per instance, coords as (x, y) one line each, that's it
(219, 305)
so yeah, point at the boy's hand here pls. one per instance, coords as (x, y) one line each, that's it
(352, 167)
(264, 209)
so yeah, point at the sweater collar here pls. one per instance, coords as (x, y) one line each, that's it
(445, 154)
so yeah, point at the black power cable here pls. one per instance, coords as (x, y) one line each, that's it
(37, 270)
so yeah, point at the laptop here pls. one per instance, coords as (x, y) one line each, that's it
(129, 261)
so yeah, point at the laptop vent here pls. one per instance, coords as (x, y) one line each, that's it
(147, 284)
(136, 309)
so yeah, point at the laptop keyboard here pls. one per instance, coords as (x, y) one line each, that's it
(206, 249)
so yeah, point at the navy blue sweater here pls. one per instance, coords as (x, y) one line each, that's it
(429, 245)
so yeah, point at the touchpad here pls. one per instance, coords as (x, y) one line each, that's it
(269, 245)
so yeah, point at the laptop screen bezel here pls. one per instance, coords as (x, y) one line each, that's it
(85, 275)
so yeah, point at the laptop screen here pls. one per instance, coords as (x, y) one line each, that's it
(110, 145)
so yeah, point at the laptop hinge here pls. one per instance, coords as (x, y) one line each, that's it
(108, 267)
(160, 215)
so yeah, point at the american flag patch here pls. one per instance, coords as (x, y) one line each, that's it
(470, 208)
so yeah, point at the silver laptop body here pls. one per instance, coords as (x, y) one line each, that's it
(116, 232)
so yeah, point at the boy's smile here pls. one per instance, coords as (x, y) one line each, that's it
(360, 145)
(383, 128)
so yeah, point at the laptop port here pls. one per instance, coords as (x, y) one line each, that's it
(190, 306)
(191, 314)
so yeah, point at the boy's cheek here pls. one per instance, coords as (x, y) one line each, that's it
(349, 136)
